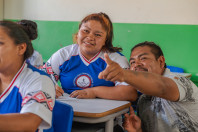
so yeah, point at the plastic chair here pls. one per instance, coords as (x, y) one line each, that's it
(175, 69)
(62, 118)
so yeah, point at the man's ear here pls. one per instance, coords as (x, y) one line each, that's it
(161, 60)
(21, 48)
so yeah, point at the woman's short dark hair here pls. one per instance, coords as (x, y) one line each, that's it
(107, 25)
(18, 35)
(30, 28)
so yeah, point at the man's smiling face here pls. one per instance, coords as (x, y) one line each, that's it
(142, 59)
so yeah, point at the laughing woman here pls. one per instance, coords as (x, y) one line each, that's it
(77, 66)
(26, 93)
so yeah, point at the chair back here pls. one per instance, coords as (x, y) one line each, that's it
(175, 69)
(62, 117)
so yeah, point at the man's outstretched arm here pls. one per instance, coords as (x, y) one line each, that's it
(146, 82)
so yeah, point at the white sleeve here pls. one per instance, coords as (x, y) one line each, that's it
(39, 60)
(187, 89)
(51, 67)
(36, 59)
(122, 61)
(54, 62)
(38, 98)
(59, 57)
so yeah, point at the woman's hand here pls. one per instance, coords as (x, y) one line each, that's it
(83, 94)
(59, 91)
(132, 122)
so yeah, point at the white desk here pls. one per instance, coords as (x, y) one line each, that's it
(96, 110)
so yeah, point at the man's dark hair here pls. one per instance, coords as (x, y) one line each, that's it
(155, 49)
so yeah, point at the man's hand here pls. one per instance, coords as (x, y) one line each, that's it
(113, 72)
(132, 122)
(83, 94)
(59, 91)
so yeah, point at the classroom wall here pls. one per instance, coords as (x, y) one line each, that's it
(171, 24)
(127, 11)
(1, 9)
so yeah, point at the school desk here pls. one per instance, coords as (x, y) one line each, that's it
(96, 110)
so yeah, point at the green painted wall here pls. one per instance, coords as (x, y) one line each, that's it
(179, 42)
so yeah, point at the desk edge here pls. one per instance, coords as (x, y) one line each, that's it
(96, 115)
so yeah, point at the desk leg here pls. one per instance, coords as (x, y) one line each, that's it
(109, 125)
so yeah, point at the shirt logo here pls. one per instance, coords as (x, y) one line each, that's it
(83, 80)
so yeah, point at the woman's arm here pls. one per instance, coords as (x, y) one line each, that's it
(19, 122)
(119, 92)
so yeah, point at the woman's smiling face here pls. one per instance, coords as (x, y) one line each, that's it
(91, 38)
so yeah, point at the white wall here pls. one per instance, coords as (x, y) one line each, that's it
(1, 9)
(124, 11)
